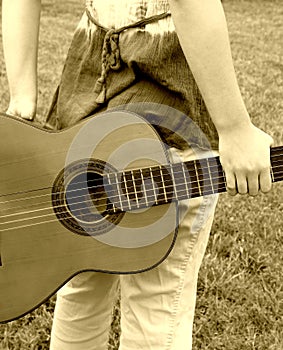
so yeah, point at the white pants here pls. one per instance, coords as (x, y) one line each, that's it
(157, 306)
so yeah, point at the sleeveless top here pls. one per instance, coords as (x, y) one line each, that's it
(119, 13)
(116, 43)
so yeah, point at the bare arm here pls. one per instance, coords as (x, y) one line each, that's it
(244, 149)
(20, 24)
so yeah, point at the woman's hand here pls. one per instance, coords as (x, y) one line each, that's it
(20, 28)
(245, 157)
(22, 108)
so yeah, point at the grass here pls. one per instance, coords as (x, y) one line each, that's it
(240, 293)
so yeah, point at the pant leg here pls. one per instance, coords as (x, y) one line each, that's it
(83, 312)
(157, 307)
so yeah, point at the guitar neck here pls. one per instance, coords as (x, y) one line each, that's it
(158, 185)
(206, 176)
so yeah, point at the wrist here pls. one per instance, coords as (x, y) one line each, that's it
(240, 123)
(23, 88)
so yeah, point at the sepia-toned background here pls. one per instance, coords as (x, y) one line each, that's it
(240, 293)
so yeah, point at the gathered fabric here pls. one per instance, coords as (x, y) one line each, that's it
(110, 57)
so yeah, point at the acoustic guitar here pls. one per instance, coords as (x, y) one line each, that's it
(101, 195)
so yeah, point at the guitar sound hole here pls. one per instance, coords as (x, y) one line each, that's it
(86, 198)
(80, 198)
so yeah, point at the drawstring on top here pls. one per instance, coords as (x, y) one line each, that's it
(110, 56)
(110, 59)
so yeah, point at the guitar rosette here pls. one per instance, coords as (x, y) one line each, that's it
(123, 181)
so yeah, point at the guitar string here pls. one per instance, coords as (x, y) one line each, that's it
(136, 204)
(192, 168)
(219, 189)
(191, 188)
(209, 169)
(119, 183)
(73, 211)
(274, 154)
(105, 175)
(33, 224)
(108, 191)
(41, 222)
(180, 186)
(223, 188)
(207, 160)
(120, 202)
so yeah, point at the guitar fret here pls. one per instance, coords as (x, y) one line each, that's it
(179, 183)
(126, 190)
(198, 179)
(207, 177)
(272, 174)
(119, 192)
(192, 180)
(163, 184)
(143, 184)
(220, 181)
(219, 184)
(135, 189)
(173, 181)
(154, 190)
(185, 180)
(109, 183)
(209, 174)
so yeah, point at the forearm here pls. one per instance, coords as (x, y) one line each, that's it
(244, 149)
(202, 31)
(20, 25)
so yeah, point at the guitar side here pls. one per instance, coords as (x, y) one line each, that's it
(38, 253)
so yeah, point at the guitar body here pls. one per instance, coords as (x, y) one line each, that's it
(99, 196)
(45, 239)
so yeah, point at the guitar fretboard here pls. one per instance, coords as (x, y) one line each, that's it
(141, 188)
